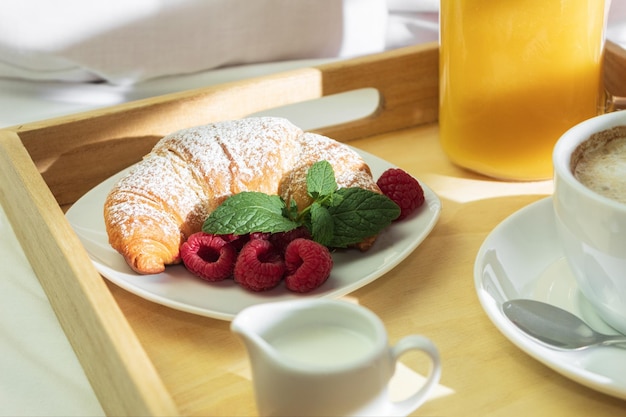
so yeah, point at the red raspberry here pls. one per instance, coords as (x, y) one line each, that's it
(282, 239)
(259, 266)
(308, 265)
(208, 256)
(260, 235)
(236, 241)
(402, 189)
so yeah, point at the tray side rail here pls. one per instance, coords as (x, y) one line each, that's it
(76, 153)
(114, 361)
(615, 69)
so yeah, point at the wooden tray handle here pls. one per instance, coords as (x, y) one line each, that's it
(77, 152)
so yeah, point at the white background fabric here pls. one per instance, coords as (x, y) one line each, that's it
(128, 41)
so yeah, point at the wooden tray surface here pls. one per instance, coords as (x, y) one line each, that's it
(46, 166)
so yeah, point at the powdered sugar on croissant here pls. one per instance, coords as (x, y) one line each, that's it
(167, 196)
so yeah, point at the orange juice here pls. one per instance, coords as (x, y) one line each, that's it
(514, 76)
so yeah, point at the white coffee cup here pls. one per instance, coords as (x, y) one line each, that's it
(321, 357)
(592, 227)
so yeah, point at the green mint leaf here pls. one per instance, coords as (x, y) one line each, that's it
(248, 212)
(322, 224)
(334, 199)
(360, 214)
(320, 179)
(291, 212)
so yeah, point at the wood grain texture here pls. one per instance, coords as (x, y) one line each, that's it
(77, 152)
(615, 69)
(145, 359)
(124, 380)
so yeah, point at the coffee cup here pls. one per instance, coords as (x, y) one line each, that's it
(590, 221)
(320, 357)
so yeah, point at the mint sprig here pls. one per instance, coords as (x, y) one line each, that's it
(338, 217)
(248, 212)
(320, 180)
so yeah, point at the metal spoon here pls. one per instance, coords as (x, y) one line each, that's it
(555, 326)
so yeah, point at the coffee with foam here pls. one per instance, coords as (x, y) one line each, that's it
(591, 228)
(600, 163)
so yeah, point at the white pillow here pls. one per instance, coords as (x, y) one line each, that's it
(124, 41)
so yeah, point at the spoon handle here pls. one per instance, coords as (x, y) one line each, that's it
(556, 327)
(616, 341)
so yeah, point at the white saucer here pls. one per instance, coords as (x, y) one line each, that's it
(521, 258)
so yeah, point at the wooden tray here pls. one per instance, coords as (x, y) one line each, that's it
(46, 166)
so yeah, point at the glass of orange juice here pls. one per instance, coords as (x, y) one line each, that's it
(514, 76)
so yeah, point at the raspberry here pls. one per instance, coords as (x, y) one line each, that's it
(308, 265)
(236, 241)
(208, 256)
(260, 235)
(402, 189)
(282, 239)
(259, 266)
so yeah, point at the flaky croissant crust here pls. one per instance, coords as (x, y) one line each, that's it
(167, 196)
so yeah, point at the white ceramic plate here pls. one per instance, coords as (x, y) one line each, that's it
(521, 258)
(179, 289)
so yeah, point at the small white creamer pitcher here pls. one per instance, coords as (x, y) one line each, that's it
(321, 357)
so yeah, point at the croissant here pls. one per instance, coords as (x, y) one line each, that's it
(167, 196)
